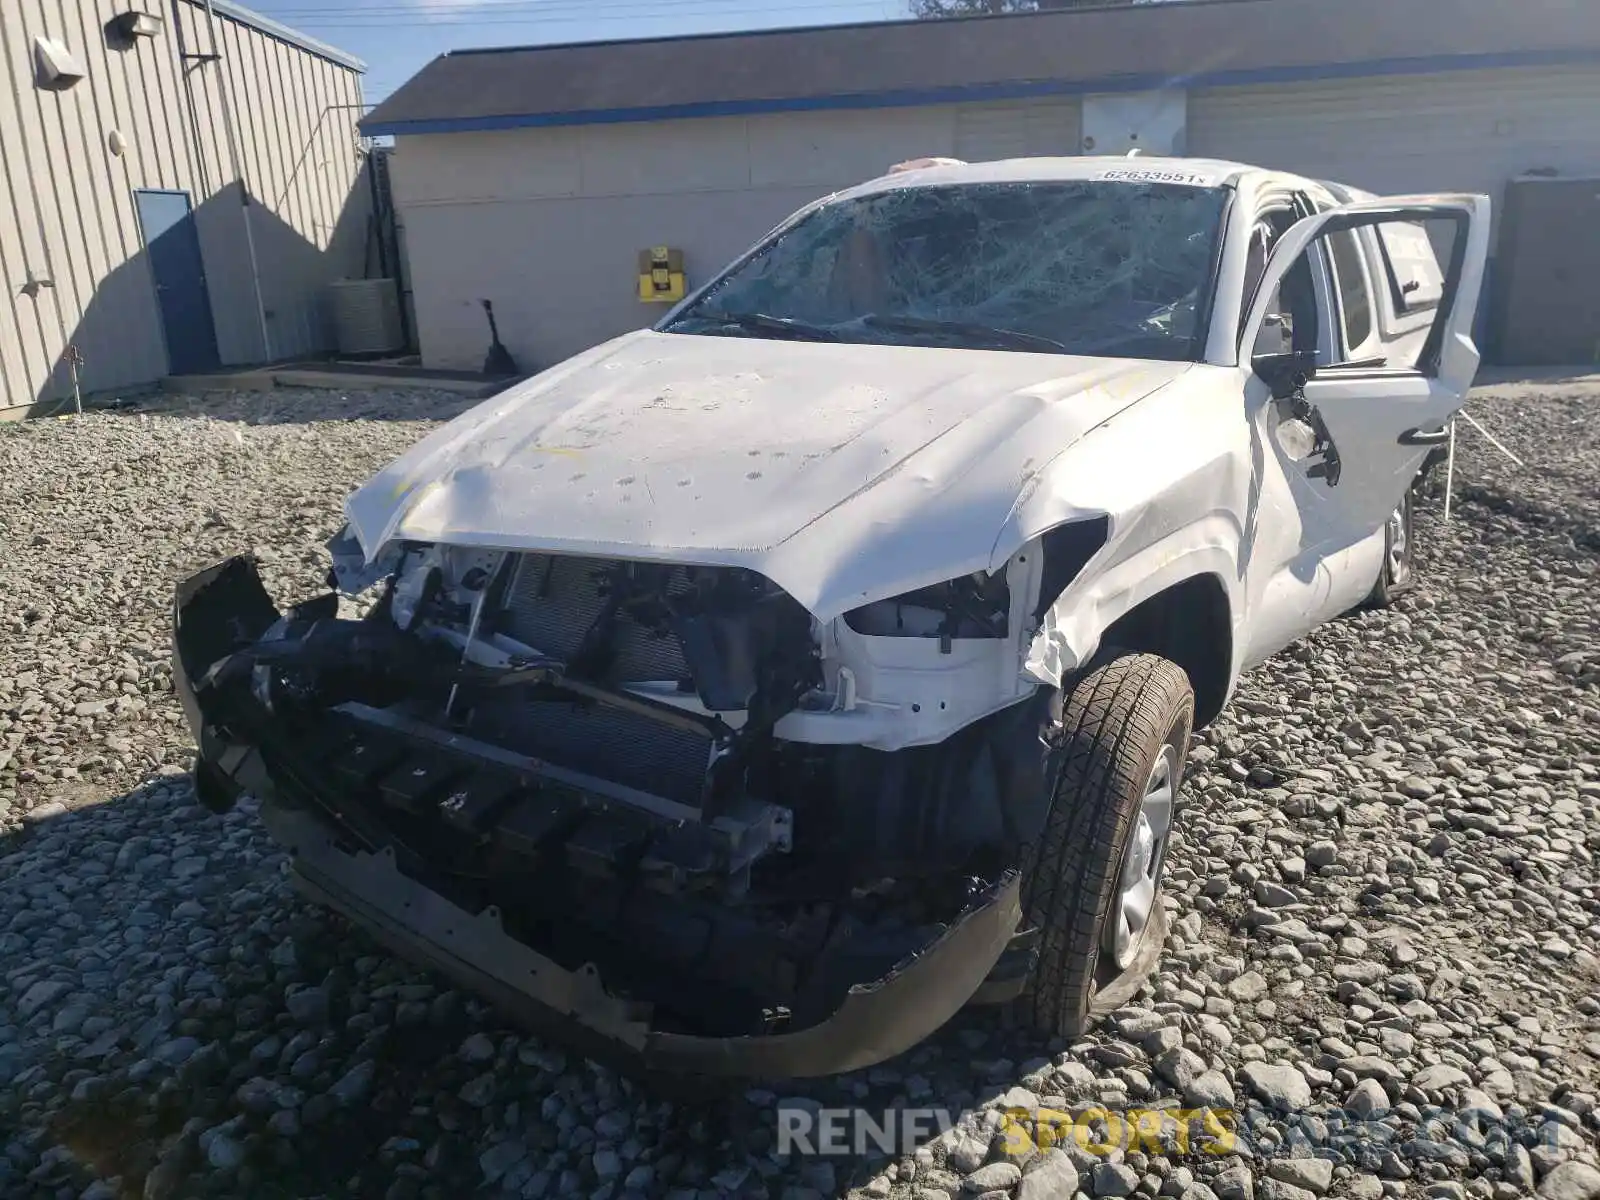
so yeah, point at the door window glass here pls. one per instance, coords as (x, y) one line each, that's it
(1328, 290)
(1277, 334)
(1261, 239)
(1355, 298)
(1411, 262)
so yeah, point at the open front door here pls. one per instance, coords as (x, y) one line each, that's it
(1364, 398)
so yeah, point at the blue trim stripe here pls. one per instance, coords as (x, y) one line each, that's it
(1017, 90)
(274, 29)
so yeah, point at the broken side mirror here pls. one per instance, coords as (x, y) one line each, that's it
(1276, 336)
(1285, 374)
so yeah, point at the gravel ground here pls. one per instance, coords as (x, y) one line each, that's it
(1384, 894)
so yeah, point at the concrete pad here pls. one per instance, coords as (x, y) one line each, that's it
(1521, 382)
(236, 381)
(350, 381)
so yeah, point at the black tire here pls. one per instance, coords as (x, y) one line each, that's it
(1398, 575)
(1118, 719)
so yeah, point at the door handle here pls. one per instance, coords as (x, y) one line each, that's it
(1425, 437)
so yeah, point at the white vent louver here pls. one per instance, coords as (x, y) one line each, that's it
(55, 67)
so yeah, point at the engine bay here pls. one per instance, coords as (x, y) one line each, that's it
(586, 747)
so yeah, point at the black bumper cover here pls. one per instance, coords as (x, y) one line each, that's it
(225, 608)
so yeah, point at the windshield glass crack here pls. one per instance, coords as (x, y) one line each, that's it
(1076, 267)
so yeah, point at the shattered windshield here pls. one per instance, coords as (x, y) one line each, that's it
(1067, 267)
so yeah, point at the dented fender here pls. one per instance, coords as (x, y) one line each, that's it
(1173, 519)
(1070, 632)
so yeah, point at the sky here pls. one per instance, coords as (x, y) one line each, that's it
(397, 37)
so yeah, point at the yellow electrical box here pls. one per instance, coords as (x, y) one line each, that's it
(661, 278)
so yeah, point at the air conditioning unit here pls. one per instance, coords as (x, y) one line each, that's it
(366, 316)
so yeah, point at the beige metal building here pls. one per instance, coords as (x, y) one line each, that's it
(178, 183)
(534, 177)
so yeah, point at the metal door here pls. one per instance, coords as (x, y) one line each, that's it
(1382, 417)
(173, 244)
(1366, 425)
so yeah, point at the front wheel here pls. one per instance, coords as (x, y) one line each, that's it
(1093, 881)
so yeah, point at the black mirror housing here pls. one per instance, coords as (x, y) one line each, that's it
(1285, 373)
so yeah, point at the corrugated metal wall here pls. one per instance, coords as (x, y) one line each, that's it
(67, 203)
(548, 223)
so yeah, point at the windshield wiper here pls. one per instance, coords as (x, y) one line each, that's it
(975, 329)
(1142, 343)
(767, 323)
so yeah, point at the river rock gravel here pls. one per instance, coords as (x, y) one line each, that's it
(1382, 969)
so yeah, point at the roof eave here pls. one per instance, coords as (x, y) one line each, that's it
(283, 33)
(375, 126)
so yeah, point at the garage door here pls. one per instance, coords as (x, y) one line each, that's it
(1464, 130)
(1050, 126)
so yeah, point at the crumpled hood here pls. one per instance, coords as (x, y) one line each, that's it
(843, 473)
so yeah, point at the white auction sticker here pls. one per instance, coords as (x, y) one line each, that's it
(1157, 175)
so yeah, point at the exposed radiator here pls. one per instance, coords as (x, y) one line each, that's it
(554, 598)
(551, 603)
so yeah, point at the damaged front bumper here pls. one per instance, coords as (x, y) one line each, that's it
(876, 1021)
(341, 859)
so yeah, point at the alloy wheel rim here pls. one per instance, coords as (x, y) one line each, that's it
(1399, 545)
(1139, 887)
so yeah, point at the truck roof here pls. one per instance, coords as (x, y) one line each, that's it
(1196, 172)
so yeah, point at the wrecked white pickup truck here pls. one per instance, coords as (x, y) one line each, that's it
(746, 695)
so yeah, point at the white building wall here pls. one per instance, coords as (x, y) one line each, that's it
(67, 207)
(548, 223)
(1461, 131)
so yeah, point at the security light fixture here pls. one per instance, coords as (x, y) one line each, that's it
(130, 25)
